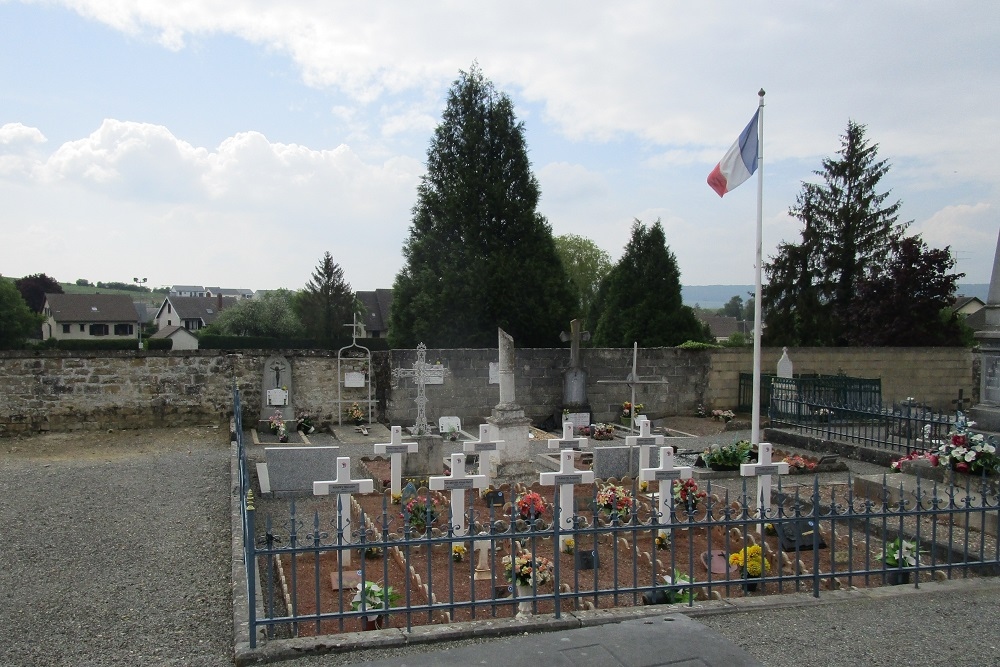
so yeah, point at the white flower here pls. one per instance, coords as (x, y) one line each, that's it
(970, 457)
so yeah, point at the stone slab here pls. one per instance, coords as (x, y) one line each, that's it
(292, 470)
(619, 461)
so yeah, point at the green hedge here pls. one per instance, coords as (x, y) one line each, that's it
(106, 344)
(160, 344)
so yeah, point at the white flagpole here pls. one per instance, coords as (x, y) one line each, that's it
(755, 413)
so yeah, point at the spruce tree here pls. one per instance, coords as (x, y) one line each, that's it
(640, 299)
(478, 255)
(326, 304)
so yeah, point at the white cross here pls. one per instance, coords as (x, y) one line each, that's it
(644, 441)
(566, 478)
(483, 446)
(344, 487)
(665, 472)
(763, 470)
(567, 440)
(395, 448)
(421, 373)
(458, 482)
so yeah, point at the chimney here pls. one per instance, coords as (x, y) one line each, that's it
(220, 302)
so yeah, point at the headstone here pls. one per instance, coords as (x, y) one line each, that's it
(427, 460)
(423, 374)
(566, 478)
(585, 559)
(782, 393)
(619, 461)
(344, 488)
(276, 389)
(986, 413)
(292, 470)
(785, 368)
(449, 425)
(395, 448)
(514, 456)
(575, 377)
(567, 441)
(798, 535)
(763, 470)
(665, 475)
(458, 482)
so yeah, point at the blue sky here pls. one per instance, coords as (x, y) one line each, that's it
(232, 144)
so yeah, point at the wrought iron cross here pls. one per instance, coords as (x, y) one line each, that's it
(421, 373)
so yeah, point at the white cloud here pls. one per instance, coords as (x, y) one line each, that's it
(16, 134)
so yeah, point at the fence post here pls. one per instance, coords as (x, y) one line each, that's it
(250, 561)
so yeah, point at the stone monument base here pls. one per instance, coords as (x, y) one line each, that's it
(516, 471)
(987, 418)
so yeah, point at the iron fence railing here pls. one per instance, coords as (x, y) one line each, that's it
(905, 427)
(822, 388)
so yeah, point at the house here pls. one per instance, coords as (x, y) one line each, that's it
(723, 327)
(191, 312)
(967, 305)
(225, 291)
(182, 338)
(187, 290)
(375, 319)
(87, 316)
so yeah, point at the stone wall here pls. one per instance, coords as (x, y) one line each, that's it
(66, 391)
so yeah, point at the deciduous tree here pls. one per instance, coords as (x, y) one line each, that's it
(33, 289)
(586, 265)
(17, 321)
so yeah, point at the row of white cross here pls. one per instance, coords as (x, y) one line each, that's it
(459, 481)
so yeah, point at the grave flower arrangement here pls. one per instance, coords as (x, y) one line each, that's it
(421, 511)
(900, 552)
(629, 410)
(701, 412)
(458, 553)
(687, 494)
(727, 456)
(525, 569)
(616, 501)
(750, 560)
(355, 413)
(529, 505)
(897, 465)
(569, 546)
(603, 432)
(373, 597)
(723, 415)
(305, 423)
(276, 422)
(681, 594)
(662, 541)
(969, 453)
(800, 462)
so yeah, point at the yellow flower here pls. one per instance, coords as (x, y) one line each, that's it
(750, 560)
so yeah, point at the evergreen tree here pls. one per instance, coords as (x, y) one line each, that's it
(478, 254)
(640, 300)
(327, 303)
(847, 227)
(586, 265)
(905, 300)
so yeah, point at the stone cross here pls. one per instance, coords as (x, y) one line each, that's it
(421, 373)
(395, 448)
(644, 441)
(763, 470)
(567, 440)
(458, 482)
(566, 478)
(483, 447)
(633, 379)
(669, 473)
(343, 487)
(575, 336)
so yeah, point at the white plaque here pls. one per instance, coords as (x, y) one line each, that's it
(277, 397)
(494, 372)
(434, 374)
(354, 379)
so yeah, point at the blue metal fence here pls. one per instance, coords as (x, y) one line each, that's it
(816, 537)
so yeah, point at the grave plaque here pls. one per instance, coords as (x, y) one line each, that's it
(799, 535)
(354, 379)
(586, 559)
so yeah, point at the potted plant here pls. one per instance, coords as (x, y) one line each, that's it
(529, 506)
(727, 457)
(305, 423)
(356, 414)
(751, 563)
(901, 555)
(687, 494)
(372, 597)
(275, 422)
(671, 595)
(630, 411)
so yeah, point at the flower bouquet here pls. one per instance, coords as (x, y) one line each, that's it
(727, 457)
(356, 414)
(276, 422)
(969, 453)
(603, 432)
(616, 501)
(421, 511)
(458, 553)
(525, 569)
(900, 553)
(305, 423)
(629, 411)
(529, 506)
(750, 560)
(723, 415)
(687, 494)
(371, 597)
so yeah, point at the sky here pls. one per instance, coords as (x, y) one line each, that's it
(231, 144)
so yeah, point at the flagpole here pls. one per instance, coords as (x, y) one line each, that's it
(755, 413)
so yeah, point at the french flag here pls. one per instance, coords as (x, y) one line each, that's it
(740, 161)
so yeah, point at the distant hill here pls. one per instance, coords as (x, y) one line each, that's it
(712, 297)
(152, 298)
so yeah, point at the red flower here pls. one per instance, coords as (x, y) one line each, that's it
(958, 439)
(962, 467)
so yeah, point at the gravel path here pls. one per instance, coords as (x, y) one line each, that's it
(117, 549)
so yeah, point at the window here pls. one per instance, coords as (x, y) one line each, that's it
(168, 309)
(124, 329)
(98, 329)
(65, 328)
(82, 329)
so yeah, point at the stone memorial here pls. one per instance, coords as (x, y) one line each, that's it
(665, 474)
(484, 448)
(423, 374)
(292, 470)
(575, 377)
(514, 457)
(276, 390)
(986, 413)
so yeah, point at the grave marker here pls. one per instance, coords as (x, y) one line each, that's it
(483, 447)
(395, 448)
(458, 482)
(344, 488)
(669, 473)
(566, 478)
(644, 441)
(423, 374)
(567, 440)
(763, 470)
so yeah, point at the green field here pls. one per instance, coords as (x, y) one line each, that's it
(154, 299)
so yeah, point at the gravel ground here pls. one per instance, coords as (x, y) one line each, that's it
(117, 549)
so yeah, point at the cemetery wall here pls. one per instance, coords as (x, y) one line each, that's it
(74, 390)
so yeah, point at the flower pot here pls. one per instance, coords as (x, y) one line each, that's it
(749, 585)
(524, 594)
(897, 577)
(376, 622)
(626, 421)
